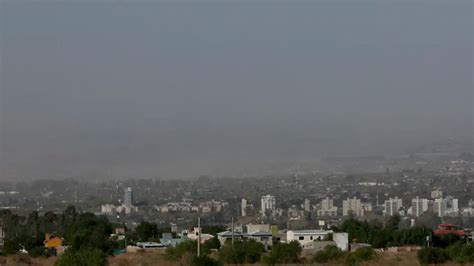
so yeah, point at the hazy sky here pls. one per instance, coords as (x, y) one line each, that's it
(153, 88)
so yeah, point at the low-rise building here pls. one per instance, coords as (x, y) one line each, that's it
(304, 237)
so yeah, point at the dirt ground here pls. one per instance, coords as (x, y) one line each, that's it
(157, 258)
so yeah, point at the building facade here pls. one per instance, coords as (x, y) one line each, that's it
(352, 207)
(327, 208)
(393, 206)
(268, 204)
(419, 206)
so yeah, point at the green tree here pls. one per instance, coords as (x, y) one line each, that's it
(146, 231)
(212, 243)
(89, 231)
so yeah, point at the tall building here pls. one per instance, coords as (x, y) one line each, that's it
(392, 206)
(307, 205)
(268, 204)
(243, 207)
(352, 206)
(419, 206)
(448, 206)
(454, 206)
(128, 197)
(327, 208)
(439, 206)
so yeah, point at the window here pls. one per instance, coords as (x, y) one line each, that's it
(301, 238)
(311, 238)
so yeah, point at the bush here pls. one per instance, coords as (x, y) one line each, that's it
(444, 241)
(37, 252)
(432, 255)
(84, 257)
(181, 249)
(461, 252)
(359, 256)
(329, 253)
(203, 261)
(212, 243)
(243, 251)
(284, 253)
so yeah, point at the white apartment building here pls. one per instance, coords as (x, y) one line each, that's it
(128, 198)
(448, 206)
(307, 205)
(327, 208)
(243, 207)
(352, 206)
(419, 206)
(392, 206)
(268, 204)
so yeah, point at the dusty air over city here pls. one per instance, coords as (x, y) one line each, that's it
(236, 132)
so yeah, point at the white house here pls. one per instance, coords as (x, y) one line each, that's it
(305, 237)
(194, 235)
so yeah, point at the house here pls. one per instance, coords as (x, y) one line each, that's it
(228, 236)
(194, 235)
(260, 236)
(306, 237)
(444, 229)
(150, 245)
(168, 240)
(54, 243)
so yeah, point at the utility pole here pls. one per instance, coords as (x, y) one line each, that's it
(199, 237)
(232, 232)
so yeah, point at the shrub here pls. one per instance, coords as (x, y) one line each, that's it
(284, 253)
(329, 253)
(359, 256)
(461, 252)
(37, 252)
(243, 251)
(83, 257)
(181, 249)
(432, 255)
(203, 261)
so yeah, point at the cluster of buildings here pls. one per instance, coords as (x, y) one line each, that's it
(127, 206)
(442, 206)
(213, 206)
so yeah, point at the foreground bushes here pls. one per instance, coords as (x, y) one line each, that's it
(458, 252)
(432, 255)
(243, 251)
(333, 253)
(360, 255)
(283, 253)
(83, 257)
(329, 253)
(461, 253)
